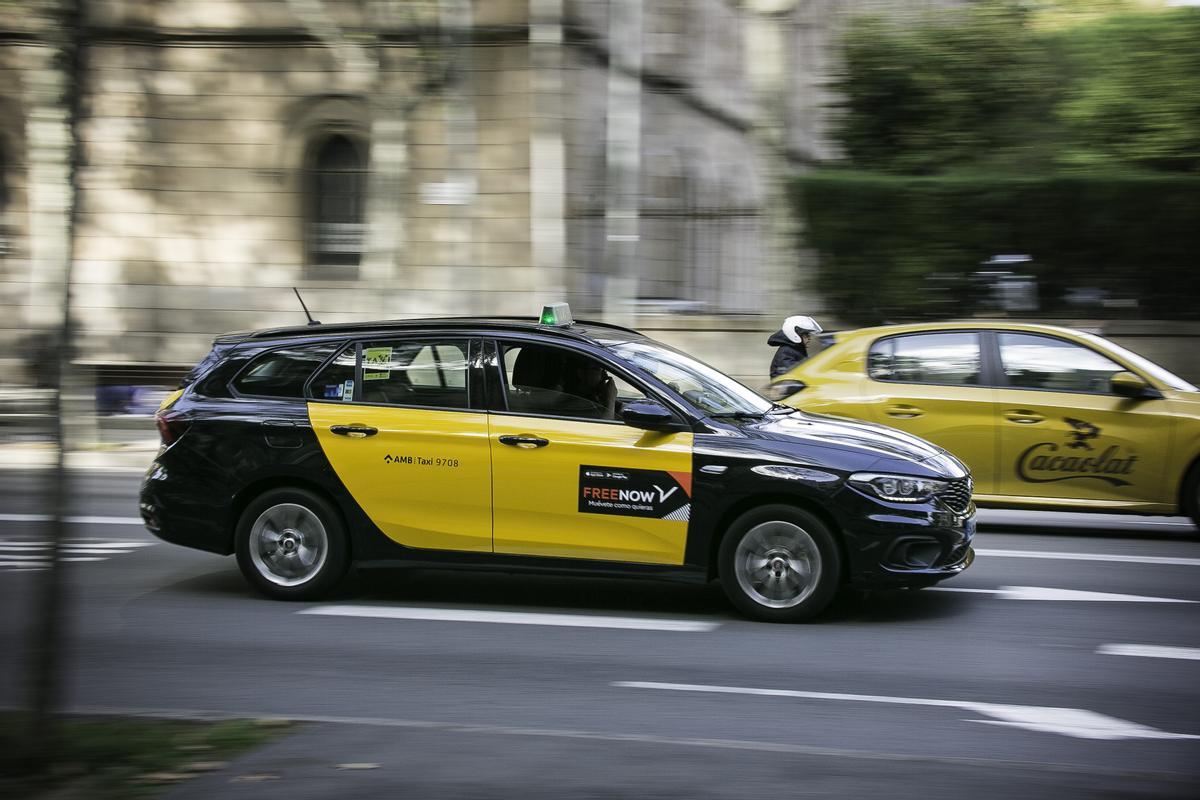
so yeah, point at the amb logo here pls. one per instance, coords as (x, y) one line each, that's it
(1044, 463)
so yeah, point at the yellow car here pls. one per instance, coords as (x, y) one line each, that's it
(1044, 417)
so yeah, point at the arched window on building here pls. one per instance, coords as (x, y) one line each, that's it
(336, 187)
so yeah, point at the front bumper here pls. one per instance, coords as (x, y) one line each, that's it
(898, 547)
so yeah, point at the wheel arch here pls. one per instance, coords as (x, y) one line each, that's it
(1190, 506)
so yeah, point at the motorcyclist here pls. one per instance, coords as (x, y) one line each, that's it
(792, 343)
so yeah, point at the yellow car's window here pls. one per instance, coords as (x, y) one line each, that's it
(1043, 362)
(943, 358)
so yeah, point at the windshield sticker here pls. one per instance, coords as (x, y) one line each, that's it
(1046, 462)
(656, 494)
(334, 391)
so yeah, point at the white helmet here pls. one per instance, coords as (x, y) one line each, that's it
(796, 327)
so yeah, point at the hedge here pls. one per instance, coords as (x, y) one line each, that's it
(893, 247)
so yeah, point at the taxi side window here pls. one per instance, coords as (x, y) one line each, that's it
(952, 359)
(336, 380)
(557, 382)
(282, 372)
(1043, 362)
(415, 373)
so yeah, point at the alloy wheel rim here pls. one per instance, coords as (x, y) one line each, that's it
(777, 564)
(288, 544)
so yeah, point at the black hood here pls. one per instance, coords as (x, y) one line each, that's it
(779, 339)
(841, 444)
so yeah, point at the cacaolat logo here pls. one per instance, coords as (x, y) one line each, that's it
(1046, 462)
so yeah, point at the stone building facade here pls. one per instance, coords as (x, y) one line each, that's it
(391, 158)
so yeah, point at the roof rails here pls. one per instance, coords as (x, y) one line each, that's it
(513, 323)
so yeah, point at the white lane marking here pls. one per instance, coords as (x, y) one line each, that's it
(1075, 722)
(514, 618)
(1149, 651)
(1046, 593)
(100, 544)
(40, 563)
(1123, 559)
(73, 520)
(30, 555)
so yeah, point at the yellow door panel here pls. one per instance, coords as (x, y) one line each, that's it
(424, 479)
(595, 490)
(1088, 447)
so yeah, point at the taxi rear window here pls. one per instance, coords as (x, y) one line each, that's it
(282, 372)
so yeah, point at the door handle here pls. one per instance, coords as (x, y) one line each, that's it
(902, 411)
(1023, 417)
(524, 441)
(355, 431)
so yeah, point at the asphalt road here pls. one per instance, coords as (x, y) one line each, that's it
(1024, 677)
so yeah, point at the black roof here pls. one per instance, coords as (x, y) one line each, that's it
(581, 329)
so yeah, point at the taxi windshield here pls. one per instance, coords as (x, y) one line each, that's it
(709, 390)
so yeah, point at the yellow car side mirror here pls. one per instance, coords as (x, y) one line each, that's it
(1127, 384)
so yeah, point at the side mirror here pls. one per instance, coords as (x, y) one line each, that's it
(649, 415)
(1127, 384)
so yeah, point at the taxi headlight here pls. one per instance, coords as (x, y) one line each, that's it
(897, 488)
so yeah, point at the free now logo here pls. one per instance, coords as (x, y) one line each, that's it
(629, 495)
(1046, 462)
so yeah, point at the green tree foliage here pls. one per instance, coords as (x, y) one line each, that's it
(1133, 96)
(995, 86)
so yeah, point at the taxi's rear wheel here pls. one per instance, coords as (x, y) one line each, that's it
(779, 563)
(291, 544)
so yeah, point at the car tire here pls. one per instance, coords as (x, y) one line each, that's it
(291, 544)
(779, 563)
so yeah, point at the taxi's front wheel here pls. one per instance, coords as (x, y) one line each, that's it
(779, 563)
(291, 544)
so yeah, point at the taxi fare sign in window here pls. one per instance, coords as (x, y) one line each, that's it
(376, 363)
(657, 494)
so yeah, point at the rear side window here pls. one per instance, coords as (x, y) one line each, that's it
(952, 359)
(415, 373)
(336, 380)
(282, 372)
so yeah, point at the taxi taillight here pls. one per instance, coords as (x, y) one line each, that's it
(170, 427)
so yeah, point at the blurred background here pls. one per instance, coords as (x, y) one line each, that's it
(697, 168)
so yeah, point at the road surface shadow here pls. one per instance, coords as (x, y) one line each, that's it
(550, 593)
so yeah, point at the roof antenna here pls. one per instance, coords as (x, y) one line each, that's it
(311, 321)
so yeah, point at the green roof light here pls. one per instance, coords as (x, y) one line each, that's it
(557, 315)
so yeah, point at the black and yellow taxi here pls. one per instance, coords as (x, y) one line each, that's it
(538, 444)
(1046, 417)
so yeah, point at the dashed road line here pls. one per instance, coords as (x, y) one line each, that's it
(27, 555)
(513, 618)
(1150, 651)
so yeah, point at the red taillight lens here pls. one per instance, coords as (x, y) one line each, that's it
(170, 427)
